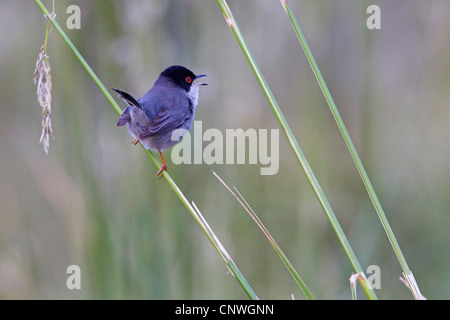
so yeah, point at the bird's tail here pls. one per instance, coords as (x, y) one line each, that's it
(124, 117)
(131, 102)
(128, 98)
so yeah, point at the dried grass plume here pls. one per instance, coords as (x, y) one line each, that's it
(43, 80)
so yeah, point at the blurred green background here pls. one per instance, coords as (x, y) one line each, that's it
(95, 202)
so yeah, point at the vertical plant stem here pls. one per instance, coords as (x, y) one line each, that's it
(195, 213)
(340, 123)
(294, 145)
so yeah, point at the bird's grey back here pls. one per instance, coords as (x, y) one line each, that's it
(164, 95)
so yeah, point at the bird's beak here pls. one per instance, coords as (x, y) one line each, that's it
(201, 83)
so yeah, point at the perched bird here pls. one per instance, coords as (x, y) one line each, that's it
(169, 105)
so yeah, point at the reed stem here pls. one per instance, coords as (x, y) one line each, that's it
(294, 145)
(193, 211)
(351, 147)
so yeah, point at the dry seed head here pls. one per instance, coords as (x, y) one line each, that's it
(43, 80)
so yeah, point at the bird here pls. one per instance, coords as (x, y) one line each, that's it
(169, 105)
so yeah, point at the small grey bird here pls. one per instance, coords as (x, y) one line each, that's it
(169, 105)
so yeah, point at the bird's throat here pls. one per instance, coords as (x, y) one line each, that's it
(192, 94)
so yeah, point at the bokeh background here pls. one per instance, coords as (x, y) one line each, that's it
(95, 202)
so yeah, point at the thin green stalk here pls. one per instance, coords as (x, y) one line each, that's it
(223, 253)
(271, 239)
(79, 57)
(195, 213)
(46, 41)
(294, 145)
(351, 147)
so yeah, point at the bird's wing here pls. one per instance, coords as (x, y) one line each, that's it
(164, 122)
(167, 120)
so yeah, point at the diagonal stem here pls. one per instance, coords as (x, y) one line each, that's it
(294, 145)
(193, 211)
(272, 241)
(351, 147)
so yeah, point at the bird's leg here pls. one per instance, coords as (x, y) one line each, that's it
(135, 141)
(163, 167)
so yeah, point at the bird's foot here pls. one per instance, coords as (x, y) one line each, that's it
(135, 142)
(160, 172)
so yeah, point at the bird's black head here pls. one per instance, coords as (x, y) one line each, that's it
(181, 76)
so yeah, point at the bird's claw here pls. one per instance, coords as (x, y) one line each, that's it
(160, 172)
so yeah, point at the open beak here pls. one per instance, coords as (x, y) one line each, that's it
(201, 83)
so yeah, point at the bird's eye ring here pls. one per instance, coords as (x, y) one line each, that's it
(188, 79)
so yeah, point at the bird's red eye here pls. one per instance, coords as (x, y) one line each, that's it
(188, 79)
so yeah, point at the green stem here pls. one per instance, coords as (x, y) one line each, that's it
(80, 57)
(237, 274)
(272, 241)
(294, 145)
(365, 178)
